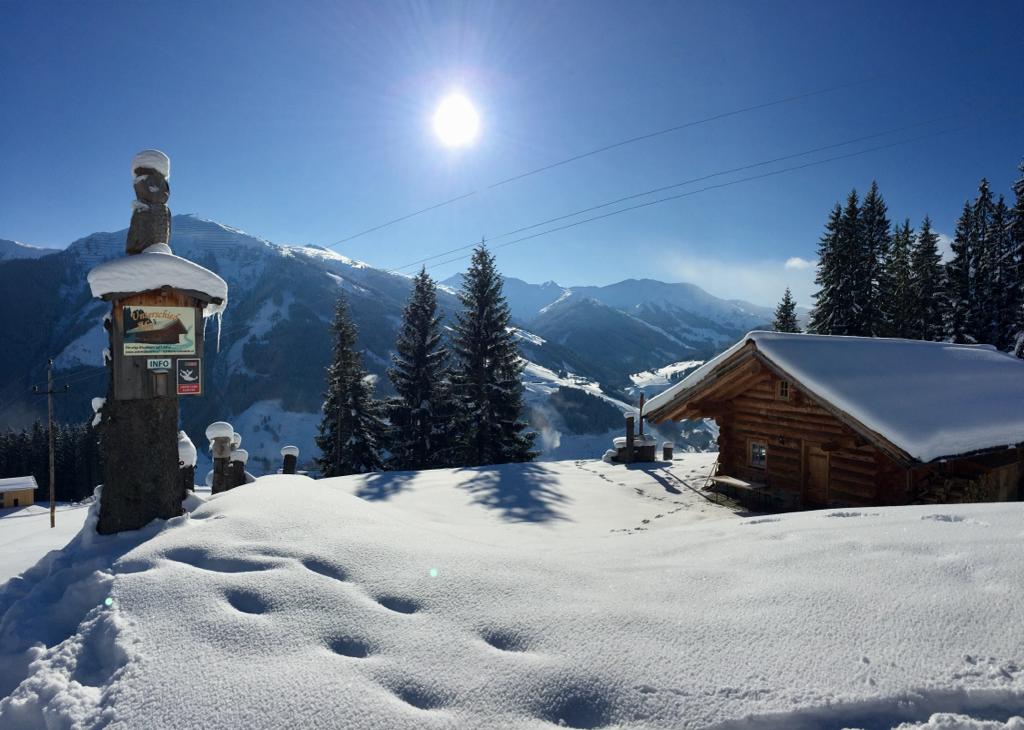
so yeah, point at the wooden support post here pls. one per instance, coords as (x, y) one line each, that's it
(220, 433)
(291, 459)
(187, 461)
(666, 450)
(630, 439)
(239, 457)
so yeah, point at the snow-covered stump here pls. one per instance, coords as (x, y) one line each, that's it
(187, 457)
(220, 434)
(158, 302)
(291, 459)
(239, 457)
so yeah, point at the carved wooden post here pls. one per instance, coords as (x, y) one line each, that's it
(219, 433)
(630, 439)
(157, 300)
(187, 461)
(238, 459)
(291, 459)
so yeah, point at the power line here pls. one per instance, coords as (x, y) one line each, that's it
(718, 186)
(682, 183)
(605, 148)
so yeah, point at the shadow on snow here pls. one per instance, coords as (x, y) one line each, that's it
(519, 492)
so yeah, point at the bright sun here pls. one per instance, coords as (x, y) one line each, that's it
(456, 122)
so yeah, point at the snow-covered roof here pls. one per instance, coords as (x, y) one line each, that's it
(929, 399)
(17, 484)
(154, 268)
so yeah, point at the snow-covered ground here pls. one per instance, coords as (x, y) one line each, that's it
(26, 535)
(521, 596)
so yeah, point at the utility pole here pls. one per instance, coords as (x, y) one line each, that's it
(49, 431)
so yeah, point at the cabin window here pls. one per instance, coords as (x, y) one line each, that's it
(783, 390)
(758, 454)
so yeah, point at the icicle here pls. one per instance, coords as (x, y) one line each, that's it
(220, 316)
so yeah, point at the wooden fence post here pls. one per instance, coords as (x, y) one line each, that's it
(630, 439)
(291, 459)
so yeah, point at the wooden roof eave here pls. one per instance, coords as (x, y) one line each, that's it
(682, 400)
(195, 294)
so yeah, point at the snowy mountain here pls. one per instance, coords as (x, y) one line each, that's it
(654, 318)
(15, 250)
(268, 376)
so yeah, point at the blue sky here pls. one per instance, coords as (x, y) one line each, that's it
(307, 122)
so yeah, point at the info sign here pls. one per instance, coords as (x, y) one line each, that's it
(154, 330)
(189, 376)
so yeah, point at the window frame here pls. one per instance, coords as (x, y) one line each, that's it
(783, 390)
(763, 443)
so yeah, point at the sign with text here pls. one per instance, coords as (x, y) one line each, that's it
(154, 330)
(159, 364)
(189, 376)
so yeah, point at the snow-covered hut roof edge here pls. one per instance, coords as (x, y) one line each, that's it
(17, 484)
(928, 399)
(155, 268)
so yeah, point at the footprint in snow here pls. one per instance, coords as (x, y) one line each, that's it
(324, 568)
(349, 646)
(398, 604)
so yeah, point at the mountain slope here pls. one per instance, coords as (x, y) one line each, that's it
(267, 377)
(14, 250)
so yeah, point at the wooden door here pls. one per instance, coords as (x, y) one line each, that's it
(815, 476)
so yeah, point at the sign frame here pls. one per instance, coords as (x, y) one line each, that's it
(161, 330)
(184, 383)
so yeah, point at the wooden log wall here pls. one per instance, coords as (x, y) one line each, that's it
(859, 474)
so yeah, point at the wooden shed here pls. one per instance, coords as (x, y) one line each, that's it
(810, 421)
(17, 491)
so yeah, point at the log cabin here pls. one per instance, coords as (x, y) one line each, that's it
(814, 421)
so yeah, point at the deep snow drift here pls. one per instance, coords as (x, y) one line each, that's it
(521, 596)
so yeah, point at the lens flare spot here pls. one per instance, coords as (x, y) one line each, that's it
(433, 572)
(108, 602)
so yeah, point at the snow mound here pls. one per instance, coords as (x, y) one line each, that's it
(155, 268)
(578, 594)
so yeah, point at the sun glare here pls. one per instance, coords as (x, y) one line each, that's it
(456, 122)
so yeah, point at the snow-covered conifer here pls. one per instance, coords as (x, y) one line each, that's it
(1016, 229)
(926, 283)
(486, 373)
(825, 316)
(352, 426)
(957, 289)
(421, 414)
(871, 247)
(897, 300)
(785, 314)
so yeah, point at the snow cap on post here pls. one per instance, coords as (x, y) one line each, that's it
(240, 455)
(153, 160)
(219, 430)
(236, 440)
(290, 451)
(187, 455)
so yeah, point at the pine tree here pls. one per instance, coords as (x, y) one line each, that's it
(421, 414)
(926, 284)
(487, 369)
(1003, 285)
(957, 291)
(872, 248)
(826, 316)
(983, 308)
(352, 427)
(785, 314)
(897, 300)
(1016, 227)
